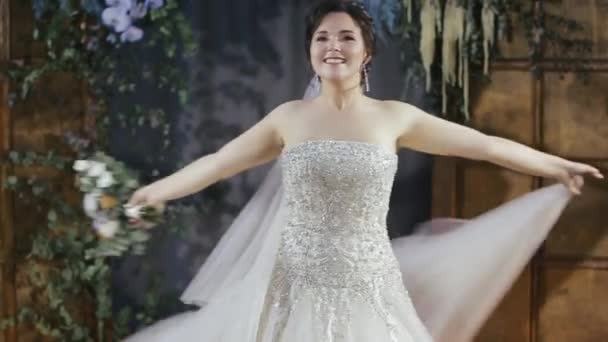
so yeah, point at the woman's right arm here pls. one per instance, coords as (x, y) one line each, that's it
(259, 144)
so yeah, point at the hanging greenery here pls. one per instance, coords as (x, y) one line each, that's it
(465, 31)
(104, 45)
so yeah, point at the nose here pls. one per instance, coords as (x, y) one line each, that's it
(334, 45)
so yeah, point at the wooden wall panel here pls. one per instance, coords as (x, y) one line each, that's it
(582, 231)
(2, 304)
(23, 46)
(485, 187)
(574, 305)
(516, 47)
(592, 15)
(53, 108)
(576, 115)
(4, 139)
(445, 202)
(495, 112)
(7, 280)
(4, 112)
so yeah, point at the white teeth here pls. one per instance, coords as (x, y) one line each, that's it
(334, 60)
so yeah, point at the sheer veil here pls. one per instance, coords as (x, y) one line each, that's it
(247, 249)
(456, 272)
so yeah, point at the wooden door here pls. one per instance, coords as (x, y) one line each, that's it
(7, 264)
(561, 295)
(55, 106)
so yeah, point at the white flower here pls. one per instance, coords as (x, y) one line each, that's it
(86, 181)
(96, 169)
(81, 165)
(105, 180)
(132, 34)
(90, 203)
(117, 18)
(133, 211)
(106, 228)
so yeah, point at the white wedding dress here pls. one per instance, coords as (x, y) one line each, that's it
(309, 259)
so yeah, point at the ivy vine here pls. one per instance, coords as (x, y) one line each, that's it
(111, 69)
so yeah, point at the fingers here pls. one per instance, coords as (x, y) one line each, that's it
(578, 182)
(573, 183)
(573, 186)
(597, 174)
(572, 177)
(588, 169)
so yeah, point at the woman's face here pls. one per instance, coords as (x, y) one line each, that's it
(337, 50)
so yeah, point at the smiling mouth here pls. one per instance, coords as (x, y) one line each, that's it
(334, 60)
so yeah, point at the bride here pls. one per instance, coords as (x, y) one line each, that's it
(309, 259)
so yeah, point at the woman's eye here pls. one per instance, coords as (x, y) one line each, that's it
(349, 38)
(321, 39)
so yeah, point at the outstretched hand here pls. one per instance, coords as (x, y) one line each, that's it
(571, 175)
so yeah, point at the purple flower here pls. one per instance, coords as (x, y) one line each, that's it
(132, 34)
(117, 18)
(138, 11)
(120, 3)
(154, 4)
(111, 38)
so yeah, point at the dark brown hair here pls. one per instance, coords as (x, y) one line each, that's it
(354, 9)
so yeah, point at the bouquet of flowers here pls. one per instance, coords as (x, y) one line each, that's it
(107, 184)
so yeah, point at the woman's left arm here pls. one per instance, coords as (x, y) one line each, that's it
(427, 133)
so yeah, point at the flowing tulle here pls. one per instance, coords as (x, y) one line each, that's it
(455, 272)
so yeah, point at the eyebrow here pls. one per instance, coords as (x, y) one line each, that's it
(343, 31)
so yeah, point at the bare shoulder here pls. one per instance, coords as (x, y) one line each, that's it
(401, 114)
(399, 108)
(286, 110)
(286, 116)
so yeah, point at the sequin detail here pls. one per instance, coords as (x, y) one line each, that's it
(335, 248)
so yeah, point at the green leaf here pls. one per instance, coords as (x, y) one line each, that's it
(52, 216)
(183, 97)
(139, 236)
(13, 156)
(67, 274)
(12, 180)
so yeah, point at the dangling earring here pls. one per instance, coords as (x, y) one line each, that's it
(366, 78)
